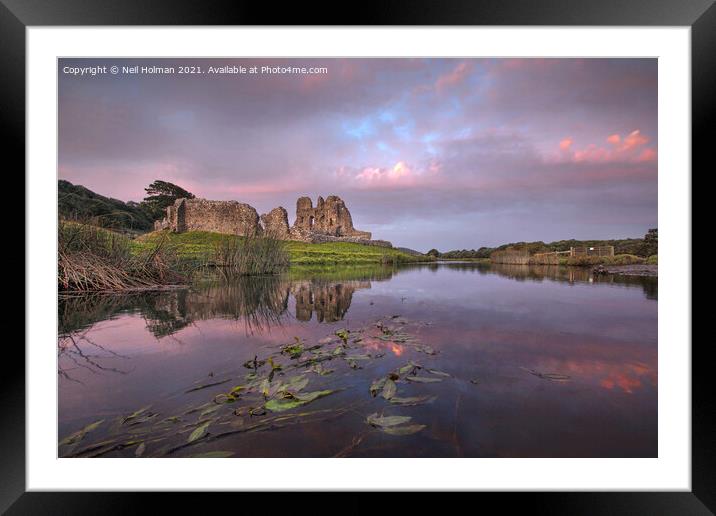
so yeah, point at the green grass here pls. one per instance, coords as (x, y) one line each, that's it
(201, 244)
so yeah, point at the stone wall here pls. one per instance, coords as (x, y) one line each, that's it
(329, 217)
(329, 221)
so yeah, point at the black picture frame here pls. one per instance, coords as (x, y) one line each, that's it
(17, 15)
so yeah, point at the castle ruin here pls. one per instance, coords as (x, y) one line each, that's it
(329, 221)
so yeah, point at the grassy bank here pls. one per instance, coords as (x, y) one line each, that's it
(589, 261)
(198, 245)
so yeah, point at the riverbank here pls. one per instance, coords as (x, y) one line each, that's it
(199, 245)
(648, 270)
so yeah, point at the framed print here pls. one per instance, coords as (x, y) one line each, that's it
(419, 253)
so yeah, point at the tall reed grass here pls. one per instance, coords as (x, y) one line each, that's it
(92, 259)
(250, 256)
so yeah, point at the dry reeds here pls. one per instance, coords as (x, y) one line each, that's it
(511, 256)
(92, 259)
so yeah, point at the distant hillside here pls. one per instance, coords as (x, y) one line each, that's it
(644, 247)
(79, 203)
(410, 251)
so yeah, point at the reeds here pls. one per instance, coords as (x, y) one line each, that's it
(511, 256)
(92, 259)
(250, 255)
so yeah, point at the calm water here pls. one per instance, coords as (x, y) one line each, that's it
(543, 362)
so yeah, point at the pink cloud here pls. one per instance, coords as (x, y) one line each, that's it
(400, 175)
(630, 148)
(566, 143)
(456, 76)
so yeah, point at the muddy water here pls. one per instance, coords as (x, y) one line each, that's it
(542, 362)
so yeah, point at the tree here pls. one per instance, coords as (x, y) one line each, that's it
(433, 252)
(161, 194)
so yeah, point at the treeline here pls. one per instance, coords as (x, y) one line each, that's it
(75, 202)
(644, 247)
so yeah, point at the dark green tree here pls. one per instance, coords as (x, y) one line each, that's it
(161, 194)
(433, 252)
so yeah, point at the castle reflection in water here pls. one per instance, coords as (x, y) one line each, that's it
(260, 302)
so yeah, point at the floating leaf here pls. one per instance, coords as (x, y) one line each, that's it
(140, 450)
(212, 455)
(411, 401)
(294, 350)
(425, 349)
(209, 410)
(389, 389)
(343, 334)
(423, 379)
(375, 420)
(377, 386)
(557, 377)
(403, 430)
(135, 414)
(199, 432)
(205, 386)
(79, 435)
(280, 405)
(438, 373)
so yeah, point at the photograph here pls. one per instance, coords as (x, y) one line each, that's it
(384, 257)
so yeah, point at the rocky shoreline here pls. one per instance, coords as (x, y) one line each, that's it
(628, 270)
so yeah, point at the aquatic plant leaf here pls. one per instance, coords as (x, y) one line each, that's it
(423, 379)
(209, 410)
(383, 421)
(293, 350)
(439, 373)
(406, 368)
(80, 434)
(425, 349)
(343, 334)
(135, 414)
(213, 455)
(280, 405)
(389, 389)
(140, 450)
(555, 376)
(297, 383)
(475, 381)
(205, 386)
(377, 386)
(199, 432)
(403, 430)
(357, 357)
(411, 401)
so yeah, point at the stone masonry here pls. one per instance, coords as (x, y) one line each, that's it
(329, 221)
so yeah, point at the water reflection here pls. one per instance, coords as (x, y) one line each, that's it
(325, 295)
(492, 324)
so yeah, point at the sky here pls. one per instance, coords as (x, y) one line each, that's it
(443, 153)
